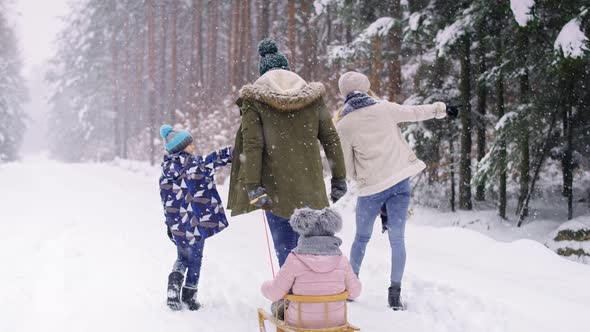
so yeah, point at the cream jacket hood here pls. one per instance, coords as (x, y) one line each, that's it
(283, 90)
(376, 154)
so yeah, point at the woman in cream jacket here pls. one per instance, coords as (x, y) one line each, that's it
(381, 162)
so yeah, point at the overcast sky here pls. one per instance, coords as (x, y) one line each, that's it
(37, 24)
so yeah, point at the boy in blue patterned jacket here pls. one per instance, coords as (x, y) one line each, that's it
(192, 208)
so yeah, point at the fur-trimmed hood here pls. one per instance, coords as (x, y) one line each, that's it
(283, 90)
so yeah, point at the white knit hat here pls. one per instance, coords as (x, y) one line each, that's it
(353, 81)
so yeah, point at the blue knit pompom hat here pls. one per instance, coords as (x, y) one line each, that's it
(175, 140)
(270, 57)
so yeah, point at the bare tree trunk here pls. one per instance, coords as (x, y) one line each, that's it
(212, 11)
(115, 80)
(163, 95)
(347, 22)
(127, 80)
(395, 42)
(248, 40)
(274, 13)
(481, 110)
(452, 154)
(309, 56)
(570, 192)
(377, 66)
(524, 129)
(174, 69)
(244, 41)
(329, 23)
(200, 53)
(229, 58)
(567, 162)
(465, 163)
(499, 17)
(538, 165)
(194, 52)
(503, 154)
(152, 77)
(139, 81)
(291, 28)
(236, 43)
(264, 20)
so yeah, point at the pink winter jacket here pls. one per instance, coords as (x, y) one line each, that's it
(314, 275)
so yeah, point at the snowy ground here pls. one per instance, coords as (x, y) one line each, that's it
(83, 248)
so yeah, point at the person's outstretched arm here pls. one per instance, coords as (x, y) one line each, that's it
(277, 288)
(219, 158)
(415, 113)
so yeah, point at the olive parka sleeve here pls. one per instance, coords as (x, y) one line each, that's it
(330, 141)
(253, 144)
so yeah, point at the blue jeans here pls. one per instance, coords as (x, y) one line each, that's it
(283, 236)
(189, 260)
(397, 201)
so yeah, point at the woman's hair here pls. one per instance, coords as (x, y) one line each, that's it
(372, 94)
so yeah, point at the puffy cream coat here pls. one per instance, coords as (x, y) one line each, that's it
(375, 153)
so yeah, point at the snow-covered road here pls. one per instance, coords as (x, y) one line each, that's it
(83, 248)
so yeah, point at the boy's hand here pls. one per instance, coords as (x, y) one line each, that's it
(258, 197)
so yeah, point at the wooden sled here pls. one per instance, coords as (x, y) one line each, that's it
(282, 326)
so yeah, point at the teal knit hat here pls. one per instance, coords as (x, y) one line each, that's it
(175, 140)
(270, 57)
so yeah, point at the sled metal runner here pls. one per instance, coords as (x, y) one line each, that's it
(282, 326)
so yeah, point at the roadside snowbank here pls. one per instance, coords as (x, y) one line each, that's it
(84, 249)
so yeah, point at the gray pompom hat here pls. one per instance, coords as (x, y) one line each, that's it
(307, 222)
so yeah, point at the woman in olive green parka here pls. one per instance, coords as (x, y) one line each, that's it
(279, 168)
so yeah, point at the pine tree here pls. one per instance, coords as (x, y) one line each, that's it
(174, 68)
(482, 93)
(12, 94)
(500, 109)
(465, 163)
(291, 35)
(395, 41)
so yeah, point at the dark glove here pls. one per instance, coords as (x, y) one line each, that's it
(383, 216)
(258, 197)
(338, 189)
(169, 232)
(452, 111)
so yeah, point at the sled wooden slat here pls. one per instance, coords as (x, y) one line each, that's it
(282, 326)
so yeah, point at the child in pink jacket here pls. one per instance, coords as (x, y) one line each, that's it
(315, 267)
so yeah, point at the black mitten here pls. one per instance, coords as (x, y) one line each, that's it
(452, 111)
(258, 197)
(339, 189)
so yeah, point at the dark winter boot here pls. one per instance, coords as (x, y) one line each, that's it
(394, 297)
(189, 296)
(280, 307)
(175, 280)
